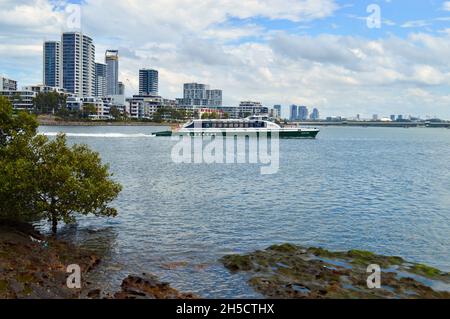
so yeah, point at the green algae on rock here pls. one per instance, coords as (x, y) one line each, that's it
(290, 271)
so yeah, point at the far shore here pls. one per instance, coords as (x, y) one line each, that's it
(99, 123)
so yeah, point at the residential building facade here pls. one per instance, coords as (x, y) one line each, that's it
(100, 80)
(247, 108)
(78, 64)
(40, 88)
(200, 95)
(53, 64)
(277, 111)
(7, 84)
(314, 114)
(148, 82)
(302, 113)
(20, 100)
(293, 114)
(112, 72)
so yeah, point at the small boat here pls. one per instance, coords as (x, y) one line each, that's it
(250, 126)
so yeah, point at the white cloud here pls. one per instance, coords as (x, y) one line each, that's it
(198, 41)
(446, 6)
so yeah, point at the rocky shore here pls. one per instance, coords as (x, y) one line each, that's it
(34, 266)
(289, 271)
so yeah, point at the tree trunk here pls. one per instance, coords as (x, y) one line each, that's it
(54, 225)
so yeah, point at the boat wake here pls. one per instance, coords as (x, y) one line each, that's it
(100, 135)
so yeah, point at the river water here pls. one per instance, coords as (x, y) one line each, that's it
(386, 190)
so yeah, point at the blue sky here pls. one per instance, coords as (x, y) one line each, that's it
(319, 53)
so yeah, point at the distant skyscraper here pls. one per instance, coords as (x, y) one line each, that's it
(294, 113)
(112, 72)
(302, 113)
(53, 67)
(100, 79)
(121, 88)
(78, 64)
(148, 82)
(314, 114)
(277, 109)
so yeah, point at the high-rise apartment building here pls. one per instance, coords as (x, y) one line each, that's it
(293, 112)
(112, 72)
(302, 113)
(148, 82)
(78, 64)
(53, 64)
(100, 79)
(314, 114)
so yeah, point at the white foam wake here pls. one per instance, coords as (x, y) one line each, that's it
(101, 135)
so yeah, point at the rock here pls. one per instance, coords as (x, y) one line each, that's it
(149, 287)
(94, 294)
(33, 270)
(289, 271)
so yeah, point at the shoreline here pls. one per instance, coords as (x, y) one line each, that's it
(35, 267)
(79, 123)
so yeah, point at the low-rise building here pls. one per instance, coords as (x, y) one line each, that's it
(247, 108)
(41, 88)
(144, 106)
(74, 103)
(20, 100)
(7, 84)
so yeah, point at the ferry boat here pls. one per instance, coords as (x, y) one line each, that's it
(234, 127)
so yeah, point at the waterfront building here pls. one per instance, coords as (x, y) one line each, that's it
(78, 64)
(293, 112)
(302, 113)
(20, 100)
(248, 108)
(200, 95)
(7, 84)
(53, 64)
(100, 80)
(144, 106)
(277, 111)
(392, 117)
(314, 114)
(148, 82)
(121, 89)
(375, 117)
(112, 72)
(41, 88)
(214, 97)
(76, 103)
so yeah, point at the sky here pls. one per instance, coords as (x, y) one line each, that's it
(344, 57)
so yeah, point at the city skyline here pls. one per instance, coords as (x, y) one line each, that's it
(315, 53)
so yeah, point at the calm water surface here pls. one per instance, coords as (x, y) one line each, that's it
(385, 190)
